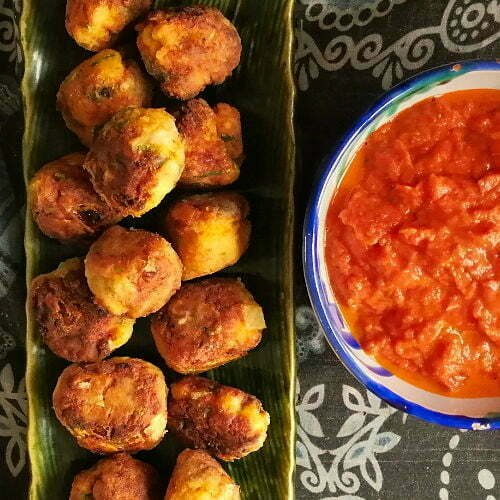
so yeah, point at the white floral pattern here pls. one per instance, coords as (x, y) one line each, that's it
(464, 28)
(343, 469)
(13, 402)
(13, 419)
(10, 40)
(333, 15)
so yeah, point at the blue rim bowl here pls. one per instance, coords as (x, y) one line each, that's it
(463, 413)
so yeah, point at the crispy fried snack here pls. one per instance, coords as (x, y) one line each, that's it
(71, 324)
(188, 48)
(118, 404)
(63, 202)
(119, 477)
(95, 24)
(132, 272)
(136, 159)
(224, 421)
(207, 324)
(228, 123)
(197, 476)
(209, 231)
(208, 150)
(98, 88)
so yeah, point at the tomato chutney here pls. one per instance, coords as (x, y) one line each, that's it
(412, 244)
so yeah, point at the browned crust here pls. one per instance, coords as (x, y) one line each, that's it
(79, 14)
(71, 324)
(64, 204)
(193, 466)
(228, 123)
(208, 162)
(119, 477)
(190, 210)
(102, 425)
(206, 50)
(200, 327)
(88, 98)
(150, 263)
(199, 418)
(186, 224)
(120, 174)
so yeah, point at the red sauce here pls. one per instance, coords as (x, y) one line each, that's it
(412, 244)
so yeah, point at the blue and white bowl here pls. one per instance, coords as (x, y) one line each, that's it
(465, 413)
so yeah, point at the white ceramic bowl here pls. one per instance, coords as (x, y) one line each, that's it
(465, 413)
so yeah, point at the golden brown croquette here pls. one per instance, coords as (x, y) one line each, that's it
(72, 325)
(224, 421)
(136, 159)
(63, 202)
(197, 476)
(207, 159)
(132, 272)
(209, 231)
(207, 324)
(95, 24)
(118, 404)
(97, 89)
(118, 477)
(188, 48)
(228, 123)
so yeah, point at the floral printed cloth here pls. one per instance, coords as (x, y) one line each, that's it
(350, 444)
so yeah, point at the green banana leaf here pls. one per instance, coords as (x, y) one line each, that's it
(262, 89)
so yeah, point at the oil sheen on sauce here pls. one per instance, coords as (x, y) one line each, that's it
(412, 244)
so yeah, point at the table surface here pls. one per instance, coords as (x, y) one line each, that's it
(350, 445)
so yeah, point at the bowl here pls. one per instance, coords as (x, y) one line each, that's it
(464, 413)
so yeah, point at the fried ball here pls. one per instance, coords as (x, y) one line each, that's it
(119, 404)
(95, 24)
(71, 324)
(188, 48)
(224, 421)
(197, 476)
(228, 123)
(119, 477)
(98, 88)
(136, 159)
(63, 202)
(208, 160)
(209, 231)
(132, 272)
(207, 324)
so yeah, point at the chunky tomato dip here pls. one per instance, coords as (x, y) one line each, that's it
(412, 244)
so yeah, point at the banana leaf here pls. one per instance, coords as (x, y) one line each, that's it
(262, 89)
